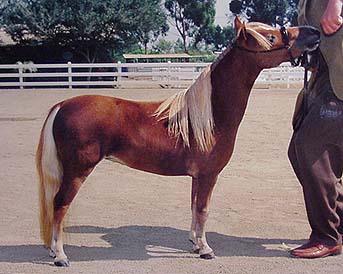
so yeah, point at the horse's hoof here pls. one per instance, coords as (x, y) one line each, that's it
(208, 256)
(62, 263)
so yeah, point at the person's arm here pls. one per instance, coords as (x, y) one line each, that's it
(331, 20)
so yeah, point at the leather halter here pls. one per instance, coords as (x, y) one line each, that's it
(285, 40)
(286, 46)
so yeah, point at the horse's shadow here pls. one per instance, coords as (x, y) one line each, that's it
(147, 242)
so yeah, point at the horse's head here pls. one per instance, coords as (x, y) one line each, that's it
(272, 46)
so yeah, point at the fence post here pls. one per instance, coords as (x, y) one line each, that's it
(269, 78)
(168, 73)
(119, 71)
(70, 76)
(195, 73)
(119, 68)
(21, 76)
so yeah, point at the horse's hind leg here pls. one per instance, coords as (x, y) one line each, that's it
(68, 190)
(204, 190)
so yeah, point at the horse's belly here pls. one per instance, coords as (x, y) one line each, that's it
(158, 164)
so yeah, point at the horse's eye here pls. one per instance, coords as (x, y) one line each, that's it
(271, 38)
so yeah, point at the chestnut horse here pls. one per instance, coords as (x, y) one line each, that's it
(191, 133)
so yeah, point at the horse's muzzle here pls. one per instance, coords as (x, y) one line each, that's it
(308, 39)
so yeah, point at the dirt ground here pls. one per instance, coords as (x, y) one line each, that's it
(128, 221)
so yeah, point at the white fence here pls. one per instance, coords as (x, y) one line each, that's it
(126, 75)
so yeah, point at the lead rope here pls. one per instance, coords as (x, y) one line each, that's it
(304, 62)
(305, 65)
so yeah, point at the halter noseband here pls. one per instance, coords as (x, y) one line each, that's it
(286, 46)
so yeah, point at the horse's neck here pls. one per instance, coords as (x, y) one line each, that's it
(232, 80)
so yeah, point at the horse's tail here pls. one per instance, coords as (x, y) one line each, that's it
(50, 174)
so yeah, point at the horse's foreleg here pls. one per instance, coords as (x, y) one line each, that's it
(204, 192)
(192, 233)
(63, 199)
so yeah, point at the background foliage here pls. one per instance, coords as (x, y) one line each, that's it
(93, 30)
(273, 12)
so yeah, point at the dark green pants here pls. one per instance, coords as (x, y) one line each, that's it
(316, 154)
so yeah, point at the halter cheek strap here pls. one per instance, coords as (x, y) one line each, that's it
(285, 40)
(284, 35)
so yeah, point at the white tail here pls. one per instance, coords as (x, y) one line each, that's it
(50, 174)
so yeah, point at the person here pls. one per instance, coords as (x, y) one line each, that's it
(316, 147)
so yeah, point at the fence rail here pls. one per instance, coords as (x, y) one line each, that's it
(126, 75)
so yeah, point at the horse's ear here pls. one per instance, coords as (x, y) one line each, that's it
(240, 28)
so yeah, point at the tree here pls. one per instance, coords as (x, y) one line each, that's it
(190, 16)
(221, 37)
(152, 22)
(179, 46)
(90, 27)
(292, 12)
(163, 46)
(270, 12)
(216, 37)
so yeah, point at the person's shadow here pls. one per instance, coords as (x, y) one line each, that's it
(146, 242)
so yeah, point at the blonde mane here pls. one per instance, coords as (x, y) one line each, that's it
(193, 107)
(260, 39)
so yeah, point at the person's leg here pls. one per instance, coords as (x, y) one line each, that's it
(316, 156)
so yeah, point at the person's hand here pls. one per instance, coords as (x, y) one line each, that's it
(332, 20)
